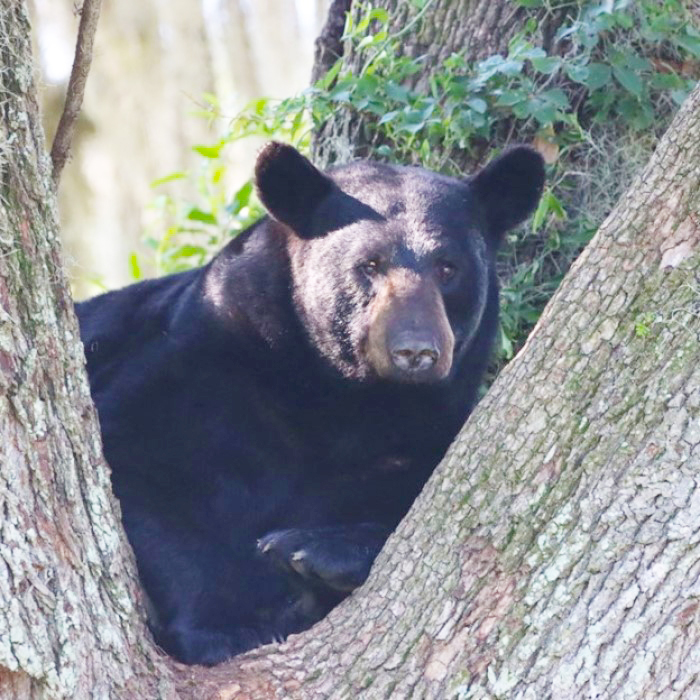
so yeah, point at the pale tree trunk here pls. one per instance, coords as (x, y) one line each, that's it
(154, 61)
(70, 616)
(150, 68)
(554, 554)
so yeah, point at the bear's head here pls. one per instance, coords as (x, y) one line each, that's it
(393, 267)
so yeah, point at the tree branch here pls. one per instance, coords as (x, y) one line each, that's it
(89, 15)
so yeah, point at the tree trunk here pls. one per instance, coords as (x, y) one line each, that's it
(157, 59)
(480, 28)
(554, 554)
(71, 623)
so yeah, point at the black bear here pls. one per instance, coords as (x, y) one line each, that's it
(270, 417)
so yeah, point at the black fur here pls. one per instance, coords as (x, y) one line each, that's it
(263, 439)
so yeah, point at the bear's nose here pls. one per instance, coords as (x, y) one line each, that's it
(414, 354)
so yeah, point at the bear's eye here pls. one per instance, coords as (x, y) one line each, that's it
(446, 270)
(370, 268)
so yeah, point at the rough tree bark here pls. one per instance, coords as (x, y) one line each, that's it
(554, 554)
(70, 613)
(328, 46)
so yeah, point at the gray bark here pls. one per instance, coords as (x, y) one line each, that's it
(70, 612)
(328, 47)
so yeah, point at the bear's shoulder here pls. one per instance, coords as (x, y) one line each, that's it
(129, 316)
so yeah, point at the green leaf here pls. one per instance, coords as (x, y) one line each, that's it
(197, 214)
(546, 65)
(635, 62)
(168, 178)
(208, 151)
(505, 343)
(397, 93)
(628, 108)
(678, 96)
(511, 67)
(325, 81)
(187, 251)
(598, 76)
(540, 109)
(638, 114)
(666, 81)
(258, 106)
(549, 204)
(540, 214)
(690, 43)
(411, 128)
(629, 80)
(531, 315)
(487, 68)
(508, 98)
(623, 20)
(556, 97)
(380, 14)
(135, 267)
(525, 50)
(241, 198)
(425, 151)
(363, 24)
(556, 207)
(477, 104)
(369, 40)
(388, 117)
(577, 72)
(340, 95)
(477, 121)
(218, 174)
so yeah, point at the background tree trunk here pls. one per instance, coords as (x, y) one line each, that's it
(555, 553)
(157, 60)
(70, 621)
(480, 28)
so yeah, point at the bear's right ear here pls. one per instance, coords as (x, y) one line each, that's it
(509, 188)
(289, 186)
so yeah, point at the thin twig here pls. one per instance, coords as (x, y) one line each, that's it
(89, 15)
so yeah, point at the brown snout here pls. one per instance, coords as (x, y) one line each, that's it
(410, 338)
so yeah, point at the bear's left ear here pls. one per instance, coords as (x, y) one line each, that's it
(509, 188)
(289, 186)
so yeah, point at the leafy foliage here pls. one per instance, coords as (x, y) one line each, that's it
(593, 103)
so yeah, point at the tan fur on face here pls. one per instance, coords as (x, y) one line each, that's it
(407, 300)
